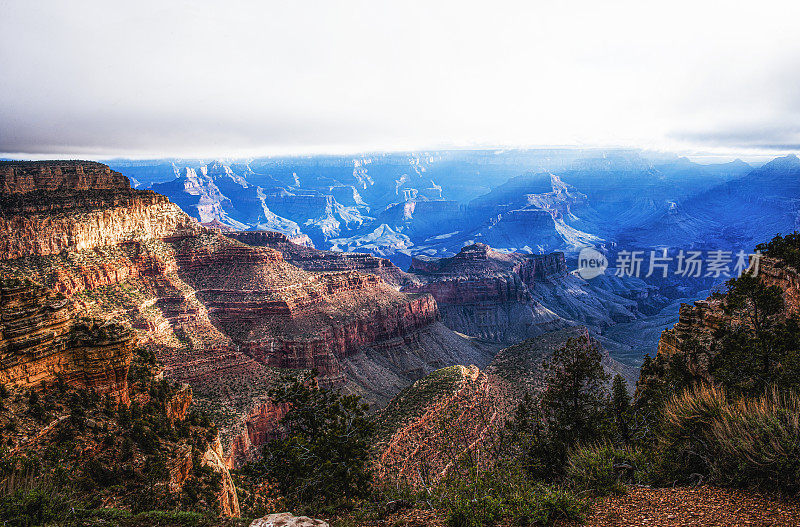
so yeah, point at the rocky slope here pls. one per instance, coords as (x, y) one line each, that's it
(146, 454)
(508, 297)
(223, 315)
(43, 340)
(459, 409)
(65, 387)
(698, 321)
(309, 259)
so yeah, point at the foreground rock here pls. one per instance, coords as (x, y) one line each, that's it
(286, 519)
(697, 322)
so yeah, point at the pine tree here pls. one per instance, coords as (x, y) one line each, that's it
(575, 396)
(620, 408)
(323, 453)
(756, 347)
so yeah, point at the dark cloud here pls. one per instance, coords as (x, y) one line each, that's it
(756, 137)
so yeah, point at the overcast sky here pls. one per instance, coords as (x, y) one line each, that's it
(232, 78)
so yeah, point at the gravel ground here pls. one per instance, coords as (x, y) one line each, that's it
(693, 506)
(646, 507)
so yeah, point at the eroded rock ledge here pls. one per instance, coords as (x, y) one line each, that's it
(44, 339)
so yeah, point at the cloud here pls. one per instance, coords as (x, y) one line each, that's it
(210, 78)
(765, 137)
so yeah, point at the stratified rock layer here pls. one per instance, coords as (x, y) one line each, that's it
(42, 340)
(49, 208)
(220, 314)
(20, 177)
(311, 259)
(488, 294)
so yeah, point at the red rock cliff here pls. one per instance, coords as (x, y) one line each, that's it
(311, 259)
(46, 208)
(42, 339)
(19, 177)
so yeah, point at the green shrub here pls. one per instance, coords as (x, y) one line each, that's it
(506, 497)
(34, 507)
(758, 442)
(685, 453)
(546, 504)
(474, 512)
(601, 469)
(323, 456)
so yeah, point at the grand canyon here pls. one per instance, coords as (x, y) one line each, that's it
(100, 278)
(383, 264)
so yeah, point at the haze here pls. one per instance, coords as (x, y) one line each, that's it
(252, 78)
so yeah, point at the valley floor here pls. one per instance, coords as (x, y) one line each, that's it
(661, 507)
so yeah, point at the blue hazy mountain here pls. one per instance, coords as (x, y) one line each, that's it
(736, 214)
(434, 203)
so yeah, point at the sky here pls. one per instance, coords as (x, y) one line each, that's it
(241, 78)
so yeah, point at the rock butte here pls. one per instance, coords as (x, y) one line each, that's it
(220, 314)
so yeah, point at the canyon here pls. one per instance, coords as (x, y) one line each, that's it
(507, 297)
(224, 316)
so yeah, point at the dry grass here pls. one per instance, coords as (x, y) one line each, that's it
(749, 441)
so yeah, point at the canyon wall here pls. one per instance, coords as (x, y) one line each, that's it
(489, 294)
(310, 259)
(20, 177)
(224, 316)
(43, 339)
(47, 208)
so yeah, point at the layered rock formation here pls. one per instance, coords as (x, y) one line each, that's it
(151, 456)
(43, 340)
(18, 177)
(508, 297)
(310, 259)
(223, 315)
(47, 208)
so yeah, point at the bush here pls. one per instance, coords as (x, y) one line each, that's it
(323, 456)
(683, 444)
(474, 512)
(758, 441)
(602, 469)
(749, 441)
(506, 497)
(33, 507)
(546, 504)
